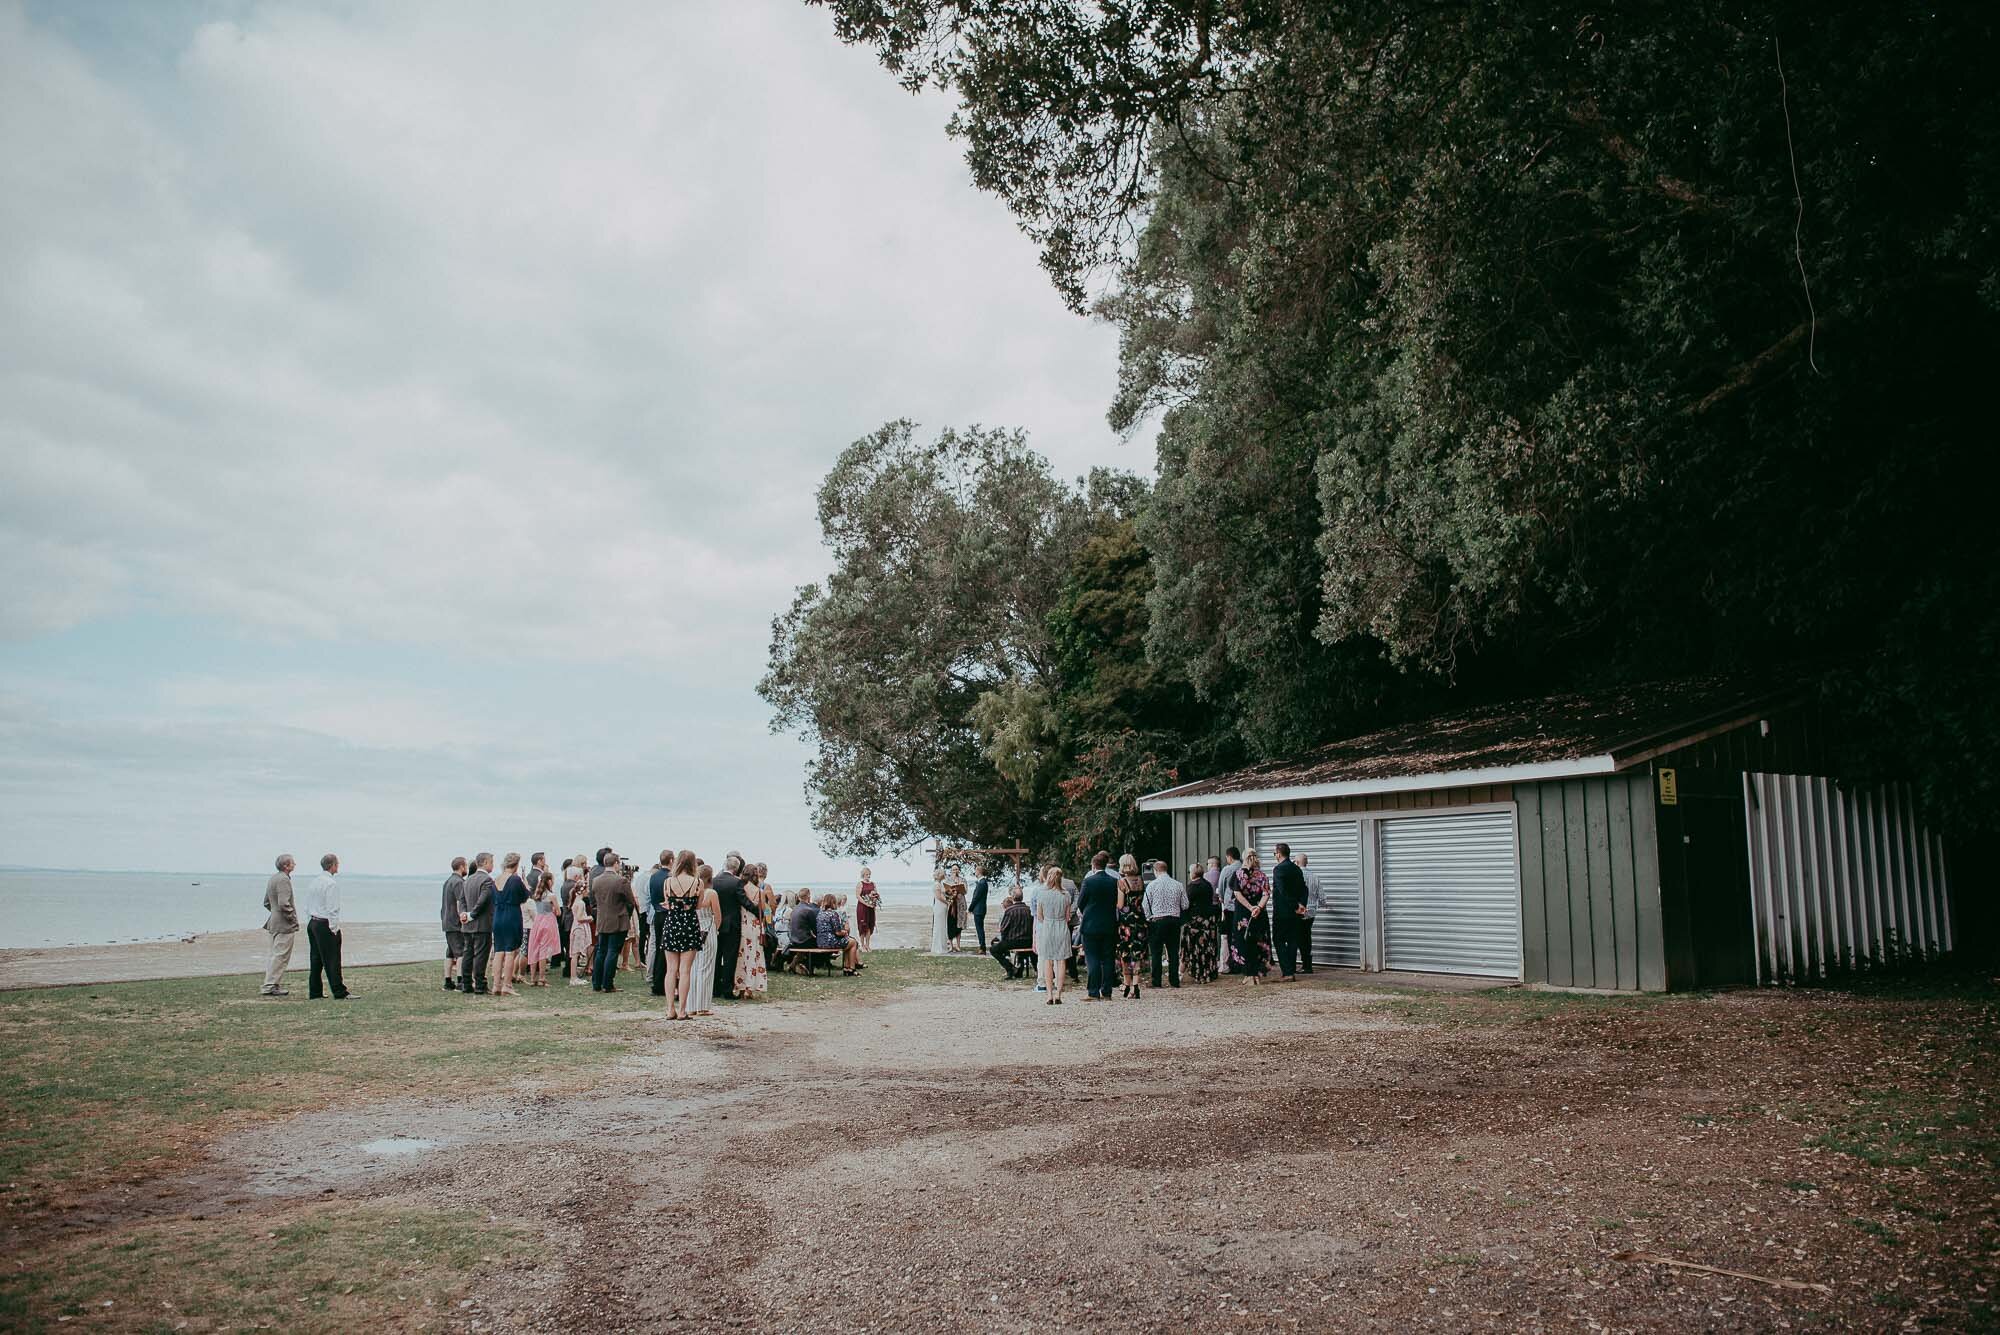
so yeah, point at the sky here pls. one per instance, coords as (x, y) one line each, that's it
(410, 414)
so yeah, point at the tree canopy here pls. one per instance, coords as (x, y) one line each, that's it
(1507, 347)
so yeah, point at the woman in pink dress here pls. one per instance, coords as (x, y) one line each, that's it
(544, 936)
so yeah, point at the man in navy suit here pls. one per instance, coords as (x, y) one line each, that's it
(1097, 902)
(1288, 912)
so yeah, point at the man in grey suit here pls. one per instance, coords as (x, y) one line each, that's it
(454, 938)
(475, 920)
(282, 924)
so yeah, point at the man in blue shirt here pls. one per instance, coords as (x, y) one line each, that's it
(1097, 902)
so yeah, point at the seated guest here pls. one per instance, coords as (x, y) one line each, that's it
(832, 934)
(803, 929)
(1017, 932)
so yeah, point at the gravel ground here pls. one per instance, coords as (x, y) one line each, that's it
(1321, 1156)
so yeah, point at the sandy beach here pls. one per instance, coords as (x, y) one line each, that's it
(215, 953)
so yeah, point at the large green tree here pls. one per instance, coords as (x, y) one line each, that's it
(929, 668)
(1531, 342)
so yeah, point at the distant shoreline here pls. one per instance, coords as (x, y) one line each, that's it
(216, 954)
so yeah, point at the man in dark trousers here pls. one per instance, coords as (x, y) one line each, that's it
(475, 917)
(1288, 912)
(611, 890)
(1097, 902)
(728, 887)
(1017, 932)
(454, 935)
(978, 908)
(656, 914)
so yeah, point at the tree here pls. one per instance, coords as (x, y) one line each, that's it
(1495, 345)
(917, 666)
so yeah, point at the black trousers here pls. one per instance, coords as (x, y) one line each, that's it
(979, 924)
(1003, 951)
(727, 945)
(1305, 945)
(323, 943)
(604, 968)
(1286, 934)
(472, 964)
(1099, 962)
(1165, 934)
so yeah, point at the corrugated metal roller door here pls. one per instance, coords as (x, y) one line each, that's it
(1451, 898)
(1332, 850)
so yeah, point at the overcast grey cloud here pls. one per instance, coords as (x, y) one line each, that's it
(409, 413)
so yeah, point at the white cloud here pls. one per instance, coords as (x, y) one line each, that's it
(479, 324)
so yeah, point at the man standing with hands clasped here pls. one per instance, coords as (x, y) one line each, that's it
(282, 924)
(323, 931)
(1166, 903)
(475, 922)
(611, 893)
(1097, 903)
(1288, 912)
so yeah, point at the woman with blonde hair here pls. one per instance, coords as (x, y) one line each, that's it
(1131, 948)
(681, 935)
(1198, 930)
(866, 900)
(1051, 909)
(507, 925)
(940, 912)
(752, 975)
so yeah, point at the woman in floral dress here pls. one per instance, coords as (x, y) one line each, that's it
(1199, 948)
(751, 977)
(866, 900)
(1249, 932)
(1130, 951)
(582, 936)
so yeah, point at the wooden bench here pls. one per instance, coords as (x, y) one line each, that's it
(811, 957)
(1025, 968)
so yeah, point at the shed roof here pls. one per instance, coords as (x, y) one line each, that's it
(1591, 732)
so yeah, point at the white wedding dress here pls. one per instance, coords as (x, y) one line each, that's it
(940, 937)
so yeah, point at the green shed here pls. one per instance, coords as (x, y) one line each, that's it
(1660, 836)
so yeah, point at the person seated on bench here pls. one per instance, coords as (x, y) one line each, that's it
(1017, 932)
(803, 930)
(832, 934)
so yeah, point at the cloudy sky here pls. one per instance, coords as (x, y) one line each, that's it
(410, 413)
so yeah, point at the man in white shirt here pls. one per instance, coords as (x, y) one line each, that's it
(1166, 903)
(323, 930)
(1312, 911)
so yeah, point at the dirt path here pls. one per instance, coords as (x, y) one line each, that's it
(1219, 1157)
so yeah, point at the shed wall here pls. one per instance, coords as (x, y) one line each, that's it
(1590, 883)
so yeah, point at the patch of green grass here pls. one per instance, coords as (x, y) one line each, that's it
(323, 1268)
(1900, 1128)
(1800, 1184)
(100, 1081)
(1611, 1223)
(1880, 1232)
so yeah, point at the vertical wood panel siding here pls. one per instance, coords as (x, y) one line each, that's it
(1840, 876)
(1590, 883)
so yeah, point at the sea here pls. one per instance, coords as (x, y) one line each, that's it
(41, 908)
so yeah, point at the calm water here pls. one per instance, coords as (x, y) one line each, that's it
(82, 908)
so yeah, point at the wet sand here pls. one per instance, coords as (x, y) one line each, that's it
(216, 953)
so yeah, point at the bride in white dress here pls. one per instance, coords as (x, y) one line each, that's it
(940, 914)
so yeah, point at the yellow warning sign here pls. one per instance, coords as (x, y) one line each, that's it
(1670, 791)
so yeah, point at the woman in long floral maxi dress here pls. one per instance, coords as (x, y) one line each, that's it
(751, 977)
(1130, 951)
(866, 900)
(582, 935)
(1249, 935)
(1198, 929)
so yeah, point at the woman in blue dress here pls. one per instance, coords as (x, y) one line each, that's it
(507, 924)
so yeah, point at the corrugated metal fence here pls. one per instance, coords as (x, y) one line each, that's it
(1840, 876)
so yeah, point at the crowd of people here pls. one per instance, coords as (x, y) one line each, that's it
(701, 934)
(1125, 929)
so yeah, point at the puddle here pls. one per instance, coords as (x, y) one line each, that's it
(397, 1146)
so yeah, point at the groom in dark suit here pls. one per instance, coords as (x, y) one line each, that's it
(729, 931)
